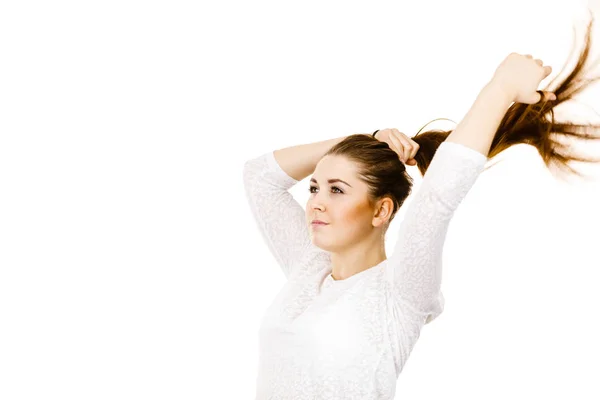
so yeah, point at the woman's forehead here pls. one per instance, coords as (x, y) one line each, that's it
(335, 168)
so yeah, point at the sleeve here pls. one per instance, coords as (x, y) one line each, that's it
(280, 219)
(415, 266)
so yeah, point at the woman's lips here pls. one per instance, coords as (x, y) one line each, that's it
(319, 223)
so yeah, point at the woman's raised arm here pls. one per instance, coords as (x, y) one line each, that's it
(416, 261)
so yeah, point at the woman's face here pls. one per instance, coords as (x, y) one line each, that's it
(342, 204)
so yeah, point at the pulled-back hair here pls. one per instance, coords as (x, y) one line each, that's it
(381, 169)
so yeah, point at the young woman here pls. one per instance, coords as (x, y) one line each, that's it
(345, 322)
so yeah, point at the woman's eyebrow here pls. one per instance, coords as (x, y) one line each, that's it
(331, 181)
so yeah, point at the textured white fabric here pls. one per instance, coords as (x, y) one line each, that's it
(349, 339)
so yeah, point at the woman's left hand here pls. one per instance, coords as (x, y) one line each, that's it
(400, 143)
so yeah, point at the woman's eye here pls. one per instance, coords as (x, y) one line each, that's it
(333, 187)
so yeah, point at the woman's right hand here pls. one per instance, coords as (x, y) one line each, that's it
(405, 147)
(520, 75)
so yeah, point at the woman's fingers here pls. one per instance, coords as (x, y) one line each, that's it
(396, 146)
(414, 148)
(410, 146)
(404, 146)
(547, 96)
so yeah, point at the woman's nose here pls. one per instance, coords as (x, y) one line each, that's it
(318, 201)
(316, 204)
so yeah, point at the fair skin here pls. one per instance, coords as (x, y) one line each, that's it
(354, 236)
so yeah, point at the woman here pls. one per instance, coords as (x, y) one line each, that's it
(344, 324)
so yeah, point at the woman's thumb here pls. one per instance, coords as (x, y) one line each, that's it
(542, 95)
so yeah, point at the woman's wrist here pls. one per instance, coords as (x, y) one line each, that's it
(500, 91)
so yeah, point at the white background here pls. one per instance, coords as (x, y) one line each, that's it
(130, 266)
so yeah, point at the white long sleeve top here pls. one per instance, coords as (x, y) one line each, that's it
(349, 339)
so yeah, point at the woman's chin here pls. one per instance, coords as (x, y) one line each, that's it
(321, 244)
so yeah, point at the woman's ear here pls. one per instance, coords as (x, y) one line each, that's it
(383, 211)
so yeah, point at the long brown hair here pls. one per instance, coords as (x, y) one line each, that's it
(381, 169)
